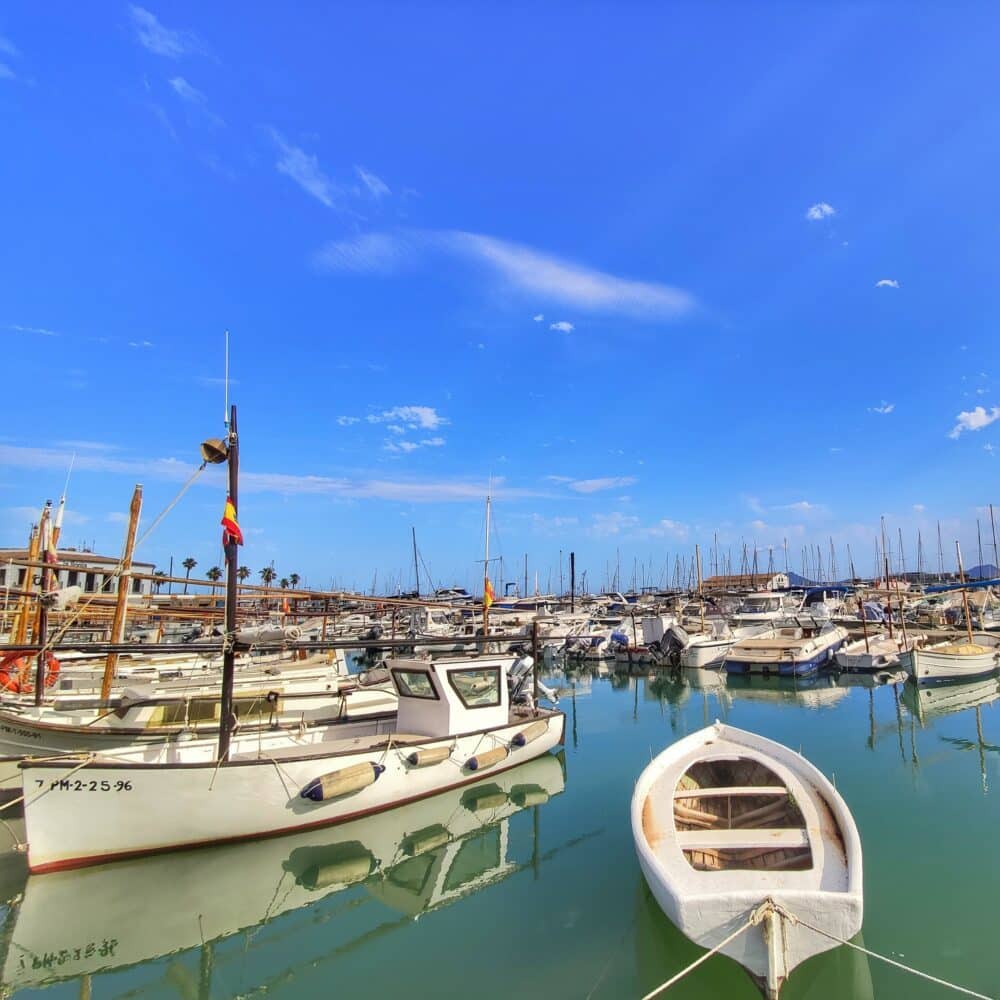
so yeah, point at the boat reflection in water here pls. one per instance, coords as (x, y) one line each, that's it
(415, 858)
(928, 702)
(810, 692)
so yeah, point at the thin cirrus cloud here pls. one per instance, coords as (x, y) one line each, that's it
(887, 283)
(562, 326)
(304, 168)
(41, 331)
(597, 485)
(377, 187)
(883, 409)
(821, 210)
(287, 484)
(406, 446)
(974, 420)
(424, 417)
(161, 40)
(517, 267)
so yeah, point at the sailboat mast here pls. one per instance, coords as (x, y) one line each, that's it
(486, 573)
(965, 592)
(993, 525)
(416, 565)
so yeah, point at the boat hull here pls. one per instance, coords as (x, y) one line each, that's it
(87, 811)
(787, 668)
(929, 666)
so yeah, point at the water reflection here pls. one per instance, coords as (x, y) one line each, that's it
(414, 859)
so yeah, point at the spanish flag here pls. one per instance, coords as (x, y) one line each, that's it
(488, 596)
(231, 534)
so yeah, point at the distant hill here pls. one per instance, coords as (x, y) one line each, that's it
(985, 572)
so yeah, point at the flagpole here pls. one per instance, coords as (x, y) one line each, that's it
(232, 560)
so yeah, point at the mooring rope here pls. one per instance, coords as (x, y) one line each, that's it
(769, 906)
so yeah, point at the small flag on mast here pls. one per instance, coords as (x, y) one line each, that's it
(231, 534)
(488, 596)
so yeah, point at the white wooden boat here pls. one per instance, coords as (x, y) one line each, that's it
(791, 651)
(724, 822)
(454, 725)
(878, 652)
(952, 660)
(418, 858)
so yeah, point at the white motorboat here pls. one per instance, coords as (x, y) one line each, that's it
(880, 651)
(952, 660)
(455, 724)
(790, 651)
(733, 830)
(709, 650)
(764, 608)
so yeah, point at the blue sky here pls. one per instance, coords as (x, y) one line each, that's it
(661, 270)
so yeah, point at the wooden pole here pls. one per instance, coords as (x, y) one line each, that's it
(20, 635)
(572, 582)
(43, 612)
(965, 593)
(232, 567)
(534, 657)
(124, 586)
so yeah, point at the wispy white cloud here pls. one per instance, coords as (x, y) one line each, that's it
(347, 421)
(160, 114)
(6, 73)
(919, 508)
(883, 408)
(540, 274)
(804, 506)
(410, 446)
(552, 525)
(519, 268)
(615, 523)
(185, 91)
(821, 210)
(887, 283)
(370, 253)
(103, 446)
(596, 485)
(974, 420)
(425, 417)
(538, 318)
(304, 169)
(377, 187)
(40, 330)
(562, 326)
(141, 344)
(175, 470)
(161, 40)
(990, 448)
(667, 528)
(211, 381)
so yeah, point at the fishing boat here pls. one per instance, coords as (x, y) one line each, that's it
(421, 857)
(733, 830)
(952, 659)
(790, 651)
(454, 725)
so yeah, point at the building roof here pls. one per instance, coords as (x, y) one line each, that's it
(66, 556)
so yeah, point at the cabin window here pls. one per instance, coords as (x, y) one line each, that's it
(477, 688)
(71, 578)
(414, 684)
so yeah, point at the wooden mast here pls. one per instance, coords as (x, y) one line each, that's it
(41, 637)
(124, 586)
(232, 560)
(965, 593)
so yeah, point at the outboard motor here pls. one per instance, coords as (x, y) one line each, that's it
(519, 684)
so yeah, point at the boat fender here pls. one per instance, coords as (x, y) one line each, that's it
(342, 782)
(487, 758)
(528, 795)
(426, 756)
(16, 673)
(428, 839)
(530, 733)
(484, 798)
(340, 864)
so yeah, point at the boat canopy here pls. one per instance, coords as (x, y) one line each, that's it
(942, 588)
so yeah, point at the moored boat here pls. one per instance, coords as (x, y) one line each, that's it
(733, 830)
(454, 725)
(952, 660)
(789, 651)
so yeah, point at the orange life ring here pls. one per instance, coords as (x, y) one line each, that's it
(15, 672)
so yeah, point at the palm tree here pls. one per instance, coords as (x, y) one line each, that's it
(243, 573)
(189, 564)
(294, 578)
(284, 583)
(215, 575)
(267, 576)
(159, 583)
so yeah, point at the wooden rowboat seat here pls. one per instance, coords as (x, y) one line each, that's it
(742, 840)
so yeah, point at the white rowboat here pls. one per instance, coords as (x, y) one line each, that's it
(727, 825)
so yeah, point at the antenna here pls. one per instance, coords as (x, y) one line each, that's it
(225, 416)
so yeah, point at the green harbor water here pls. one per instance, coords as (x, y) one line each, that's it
(527, 885)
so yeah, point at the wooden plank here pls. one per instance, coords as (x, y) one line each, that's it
(741, 840)
(717, 793)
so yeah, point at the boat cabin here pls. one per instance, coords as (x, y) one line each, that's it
(440, 699)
